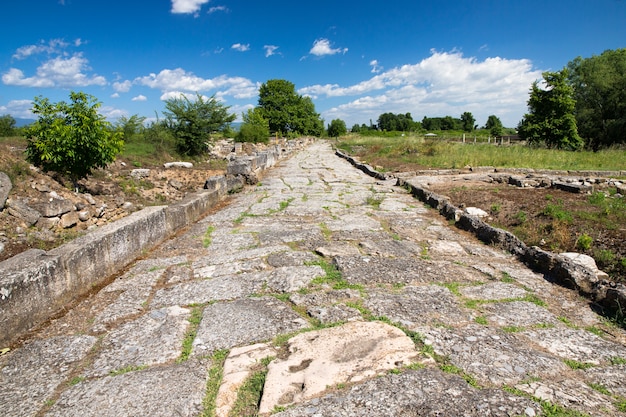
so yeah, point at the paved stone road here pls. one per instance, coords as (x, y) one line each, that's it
(351, 299)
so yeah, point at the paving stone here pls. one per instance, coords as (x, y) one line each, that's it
(422, 394)
(227, 287)
(174, 390)
(492, 356)
(413, 306)
(325, 358)
(493, 291)
(30, 375)
(291, 258)
(518, 314)
(154, 338)
(228, 324)
(290, 279)
(610, 377)
(577, 345)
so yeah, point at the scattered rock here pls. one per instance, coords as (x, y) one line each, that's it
(178, 165)
(587, 262)
(20, 210)
(140, 173)
(475, 211)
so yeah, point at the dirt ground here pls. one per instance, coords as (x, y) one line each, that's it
(550, 218)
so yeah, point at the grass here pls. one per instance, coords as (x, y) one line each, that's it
(216, 373)
(194, 321)
(206, 239)
(332, 277)
(249, 394)
(390, 152)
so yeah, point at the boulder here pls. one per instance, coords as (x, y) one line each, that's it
(178, 165)
(23, 212)
(140, 173)
(54, 207)
(5, 188)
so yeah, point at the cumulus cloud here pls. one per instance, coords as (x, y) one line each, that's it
(178, 80)
(140, 97)
(241, 47)
(18, 108)
(187, 6)
(122, 87)
(323, 47)
(56, 72)
(270, 50)
(445, 83)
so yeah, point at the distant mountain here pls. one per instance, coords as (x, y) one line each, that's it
(23, 122)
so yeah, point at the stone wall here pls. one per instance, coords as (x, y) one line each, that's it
(35, 285)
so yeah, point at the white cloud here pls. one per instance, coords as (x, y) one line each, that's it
(178, 80)
(323, 47)
(115, 95)
(187, 6)
(19, 108)
(240, 47)
(122, 87)
(270, 50)
(218, 9)
(52, 46)
(140, 97)
(445, 83)
(57, 72)
(376, 68)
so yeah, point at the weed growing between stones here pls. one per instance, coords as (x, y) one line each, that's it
(194, 321)
(453, 369)
(548, 409)
(206, 239)
(374, 200)
(250, 393)
(577, 364)
(216, 373)
(332, 277)
(127, 369)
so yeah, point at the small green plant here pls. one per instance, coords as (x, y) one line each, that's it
(206, 239)
(76, 380)
(600, 388)
(506, 277)
(127, 369)
(216, 373)
(521, 217)
(584, 242)
(374, 200)
(481, 320)
(495, 208)
(194, 321)
(249, 394)
(577, 364)
(616, 360)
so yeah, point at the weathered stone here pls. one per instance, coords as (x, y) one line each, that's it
(139, 173)
(54, 207)
(5, 188)
(178, 165)
(325, 358)
(23, 212)
(69, 220)
(30, 375)
(248, 320)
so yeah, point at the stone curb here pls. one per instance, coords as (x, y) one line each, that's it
(609, 296)
(35, 285)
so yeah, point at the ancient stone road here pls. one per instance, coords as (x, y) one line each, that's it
(350, 296)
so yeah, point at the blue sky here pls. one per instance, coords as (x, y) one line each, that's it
(355, 59)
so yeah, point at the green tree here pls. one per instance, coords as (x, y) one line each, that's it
(71, 138)
(356, 128)
(193, 121)
(468, 121)
(494, 125)
(288, 112)
(550, 119)
(7, 125)
(599, 85)
(255, 127)
(337, 128)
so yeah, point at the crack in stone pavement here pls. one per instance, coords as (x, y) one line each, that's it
(348, 297)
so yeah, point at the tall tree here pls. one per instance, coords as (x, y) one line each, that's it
(337, 128)
(71, 138)
(550, 119)
(599, 85)
(494, 125)
(468, 121)
(287, 111)
(193, 121)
